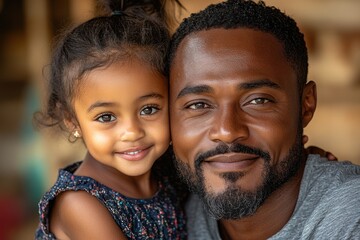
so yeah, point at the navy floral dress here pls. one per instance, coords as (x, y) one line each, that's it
(160, 217)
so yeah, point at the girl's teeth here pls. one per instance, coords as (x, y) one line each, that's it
(133, 153)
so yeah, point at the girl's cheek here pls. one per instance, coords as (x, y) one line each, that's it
(100, 140)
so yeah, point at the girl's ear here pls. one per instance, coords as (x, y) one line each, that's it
(309, 100)
(70, 123)
(74, 130)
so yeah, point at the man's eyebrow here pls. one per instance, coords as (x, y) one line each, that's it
(259, 83)
(198, 89)
(194, 90)
(100, 104)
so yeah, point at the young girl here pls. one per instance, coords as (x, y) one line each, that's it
(107, 87)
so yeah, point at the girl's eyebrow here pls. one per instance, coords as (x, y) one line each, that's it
(100, 104)
(151, 95)
(112, 104)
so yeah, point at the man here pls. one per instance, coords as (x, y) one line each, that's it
(240, 100)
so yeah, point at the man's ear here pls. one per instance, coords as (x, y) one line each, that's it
(308, 101)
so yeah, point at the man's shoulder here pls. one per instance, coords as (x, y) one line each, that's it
(337, 213)
(329, 179)
(337, 186)
(328, 206)
(344, 195)
(339, 171)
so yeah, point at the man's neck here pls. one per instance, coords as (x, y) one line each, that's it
(271, 216)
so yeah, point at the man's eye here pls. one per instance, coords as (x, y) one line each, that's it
(106, 118)
(198, 105)
(149, 110)
(259, 101)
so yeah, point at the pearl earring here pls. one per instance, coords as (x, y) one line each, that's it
(76, 134)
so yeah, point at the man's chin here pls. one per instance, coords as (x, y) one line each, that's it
(233, 203)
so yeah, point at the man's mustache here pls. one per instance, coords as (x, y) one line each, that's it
(223, 148)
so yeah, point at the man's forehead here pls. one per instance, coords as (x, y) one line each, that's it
(213, 46)
(228, 54)
(217, 39)
(195, 47)
(198, 39)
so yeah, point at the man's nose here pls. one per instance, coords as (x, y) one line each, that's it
(229, 124)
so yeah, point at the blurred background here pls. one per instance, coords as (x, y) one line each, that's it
(29, 161)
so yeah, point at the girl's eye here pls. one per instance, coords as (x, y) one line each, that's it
(105, 118)
(257, 101)
(149, 110)
(198, 105)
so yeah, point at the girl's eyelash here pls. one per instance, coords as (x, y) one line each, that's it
(156, 106)
(151, 105)
(111, 115)
(103, 114)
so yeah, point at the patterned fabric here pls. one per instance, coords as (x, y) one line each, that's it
(160, 217)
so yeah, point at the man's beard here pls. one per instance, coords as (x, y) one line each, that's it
(235, 202)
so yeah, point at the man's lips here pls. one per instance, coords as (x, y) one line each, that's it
(134, 154)
(231, 161)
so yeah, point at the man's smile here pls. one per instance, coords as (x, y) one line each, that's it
(231, 161)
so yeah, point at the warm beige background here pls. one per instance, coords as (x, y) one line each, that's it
(29, 163)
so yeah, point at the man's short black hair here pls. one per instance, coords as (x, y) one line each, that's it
(234, 14)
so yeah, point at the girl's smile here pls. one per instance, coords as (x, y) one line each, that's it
(134, 154)
(122, 111)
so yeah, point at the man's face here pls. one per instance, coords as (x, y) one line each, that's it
(235, 118)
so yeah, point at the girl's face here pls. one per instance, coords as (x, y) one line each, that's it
(122, 111)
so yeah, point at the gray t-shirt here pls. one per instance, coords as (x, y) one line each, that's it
(328, 206)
